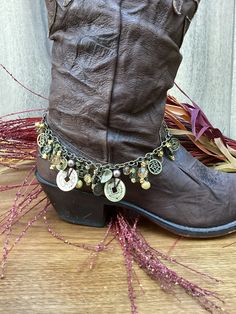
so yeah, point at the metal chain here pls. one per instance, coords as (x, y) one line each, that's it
(99, 166)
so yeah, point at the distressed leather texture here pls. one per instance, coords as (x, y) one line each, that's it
(112, 65)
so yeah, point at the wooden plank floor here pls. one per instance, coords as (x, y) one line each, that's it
(47, 276)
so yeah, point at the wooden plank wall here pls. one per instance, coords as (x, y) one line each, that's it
(207, 73)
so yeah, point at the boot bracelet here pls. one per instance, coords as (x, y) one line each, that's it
(104, 179)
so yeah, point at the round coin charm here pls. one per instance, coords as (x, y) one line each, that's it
(106, 176)
(155, 166)
(67, 180)
(41, 139)
(115, 190)
(174, 144)
(62, 165)
(98, 189)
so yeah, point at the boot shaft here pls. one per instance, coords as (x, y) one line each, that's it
(112, 65)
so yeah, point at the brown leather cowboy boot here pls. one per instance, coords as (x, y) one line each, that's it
(103, 141)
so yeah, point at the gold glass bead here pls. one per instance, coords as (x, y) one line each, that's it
(146, 185)
(161, 153)
(142, 172)
(126, 170)
(168, 145)
(59, 153)
(50, 142)
(88, 179)
(79, 184)
(52, 167)
(45, 156)
(143, 164)
(172, 157)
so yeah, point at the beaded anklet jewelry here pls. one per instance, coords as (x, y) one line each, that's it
(104, 179)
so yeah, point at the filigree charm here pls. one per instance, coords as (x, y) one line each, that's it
(155, 166)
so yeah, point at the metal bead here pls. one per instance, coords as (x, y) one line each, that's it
(161, 153)
(144, 164)
(146, 185)
(133, 180)
(71, 163)
(116, 173)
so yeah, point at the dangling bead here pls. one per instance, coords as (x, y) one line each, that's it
(133, 175)
(168, 145)
(146, 185)
(79, 184)
(126, 170)
(71, 163)
(88, 179)
(142, 172)
(37, 124)
(161, 153)
(116, 173)
(133, 170)
(144, 164)
(55, 160)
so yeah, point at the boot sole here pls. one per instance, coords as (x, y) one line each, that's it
(84, 208)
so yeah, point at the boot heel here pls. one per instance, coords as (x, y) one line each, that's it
(76, 207)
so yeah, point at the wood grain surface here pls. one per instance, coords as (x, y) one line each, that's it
(45, 275)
